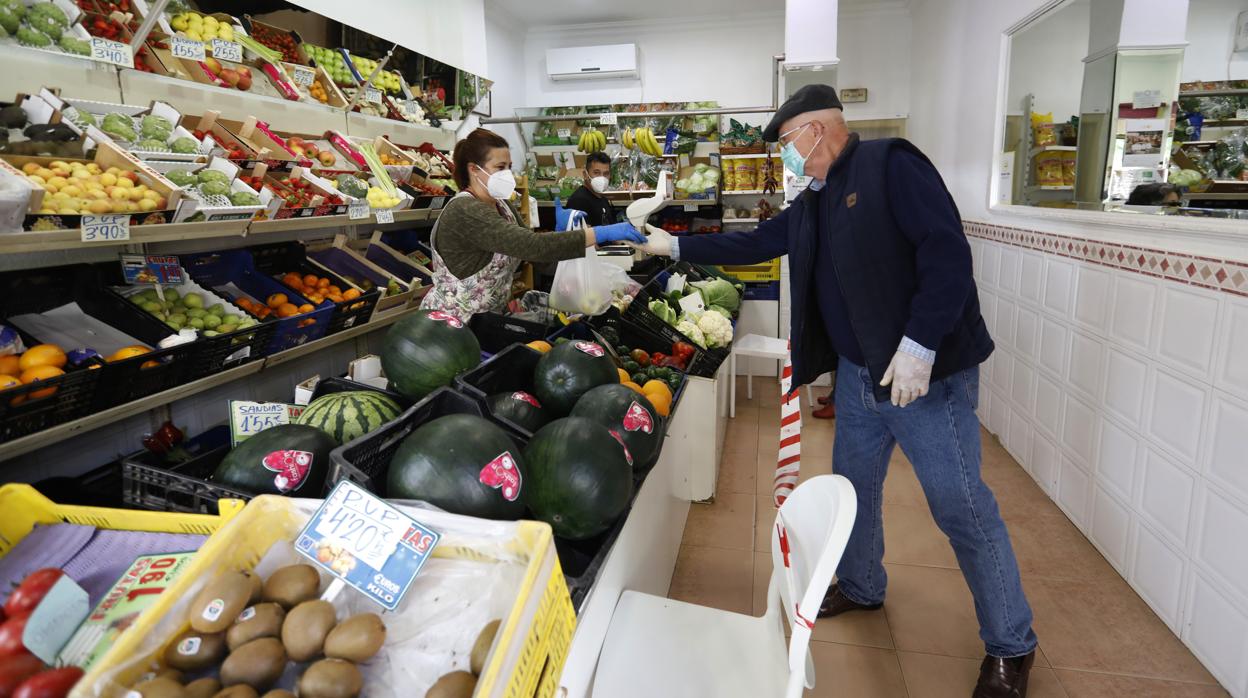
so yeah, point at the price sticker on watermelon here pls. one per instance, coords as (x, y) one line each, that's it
(366, 543)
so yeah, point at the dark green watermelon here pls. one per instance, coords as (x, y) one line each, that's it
(520, 408)
(627, 413)
(579, 480)
(426, 350)
(570, 370)
(463, 464)
(291, 459)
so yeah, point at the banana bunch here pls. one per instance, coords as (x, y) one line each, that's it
(643, 140)
(591, 141)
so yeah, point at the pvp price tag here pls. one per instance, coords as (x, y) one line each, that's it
(384, 215)
(372, 94)
(358, 210)
(182, 47)
(250, 418)
(105, 228)
(151, 269)
(115, 52)
(367, 543)
(607, 119)
(224, 50)
(303, 76)
(691, 208)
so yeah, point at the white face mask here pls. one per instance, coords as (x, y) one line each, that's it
(501, 185)
(598, 184)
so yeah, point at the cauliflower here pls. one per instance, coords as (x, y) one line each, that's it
(690, 330)
(716, 329)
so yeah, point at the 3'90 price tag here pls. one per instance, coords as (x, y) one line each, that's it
(358, 210)
(224, 50)
(384, 215)
(105, 228)
(190, 49)
(115, 52)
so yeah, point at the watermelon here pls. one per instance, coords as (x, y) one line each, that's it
(630, 415)
(350, 414)
(460, 463)
(426, 350)
(519, 408)
(579, 479)
(290, 459)
(570, 370)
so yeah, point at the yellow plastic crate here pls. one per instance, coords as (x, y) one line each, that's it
(529, 651)
(765, 271)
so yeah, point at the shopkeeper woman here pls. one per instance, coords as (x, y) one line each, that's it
(479, 240)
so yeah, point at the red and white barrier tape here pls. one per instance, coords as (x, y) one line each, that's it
(789, 460)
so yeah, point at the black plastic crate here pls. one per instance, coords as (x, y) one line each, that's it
(282, 258)
(707, 362)
(507, 371)
(72, 396)
(496, 331)
(342, 384)
(148, 483)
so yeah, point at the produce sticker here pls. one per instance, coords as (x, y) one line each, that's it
(367, 543)
(502, 474)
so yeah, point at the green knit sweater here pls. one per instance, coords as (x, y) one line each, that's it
(471, 231)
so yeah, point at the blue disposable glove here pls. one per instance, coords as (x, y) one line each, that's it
(567, 216)
(617, 232)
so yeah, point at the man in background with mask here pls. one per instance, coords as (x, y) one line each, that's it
(589, 198)
(882, 293)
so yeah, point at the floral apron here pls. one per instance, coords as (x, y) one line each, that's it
(487, 290)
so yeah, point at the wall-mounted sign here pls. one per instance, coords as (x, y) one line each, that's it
(850, 95)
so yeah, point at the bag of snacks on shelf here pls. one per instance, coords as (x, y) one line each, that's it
(1068, 168)
(745, 173)
(1042, 129)
(730, 176)
(1049, 169)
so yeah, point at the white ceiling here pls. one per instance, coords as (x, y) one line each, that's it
(541, 13)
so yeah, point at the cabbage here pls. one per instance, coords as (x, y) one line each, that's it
(1186, 178)
(719, 292)
(663, 311)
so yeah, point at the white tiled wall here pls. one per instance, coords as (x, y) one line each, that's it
(1126, 398)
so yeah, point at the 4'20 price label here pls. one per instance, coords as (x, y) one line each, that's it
(105, 228)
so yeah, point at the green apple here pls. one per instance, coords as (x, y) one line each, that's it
(226, 329)
(212, 321)
(196, 322)
(217, 310)
(193, 300)
(196, 312)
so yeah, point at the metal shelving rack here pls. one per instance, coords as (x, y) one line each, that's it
(1034, 194)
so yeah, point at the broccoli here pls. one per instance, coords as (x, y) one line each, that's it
(182, 178)
(29, 37)
(352, 186)
(244, 198)
(11, 13)
(72, 44)
(213, 176)
(119, 126)
(214, 189)
(184, 145)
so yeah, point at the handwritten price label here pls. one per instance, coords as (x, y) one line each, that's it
(437, 203)
(190, 49)
(358, 211)
(227, 50)
(303, 76)
(563, 132)
(384, 215)
(372, 95)
(114, 52)
(105, 228)
(606, 119)
(250, 418)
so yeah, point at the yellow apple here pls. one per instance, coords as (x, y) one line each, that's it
(30, 168)
(100, 206)
(124, 183)
(38, 180)
(72, 190)
(118, 194)
(108, 179)
(93, 168)
(147, 205)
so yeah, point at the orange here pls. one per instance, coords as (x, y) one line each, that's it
(287, 310)
(323, 283)
(150, 364)
(42, 355)
(350, 294)
(277, 299)
(7, 382)
(41, 373)
(307, 308)
(661, 401)
(633, 386)
(10, 365)
(311, 280)
(333, 289)
(624, 377)
(335, 298)
(127, 353)
(292, 279)
(544, 347)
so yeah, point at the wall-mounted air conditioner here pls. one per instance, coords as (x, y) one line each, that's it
(617, 61)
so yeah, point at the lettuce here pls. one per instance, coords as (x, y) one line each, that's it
(663, 311)
(719, 292)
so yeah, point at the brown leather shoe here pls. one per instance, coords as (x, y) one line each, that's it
(828, 411)
(1004, 677)
(835, 603)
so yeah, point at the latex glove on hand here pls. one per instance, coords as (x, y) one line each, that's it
(617, 232)
(658, 242)
(567, 218)
(910, 377)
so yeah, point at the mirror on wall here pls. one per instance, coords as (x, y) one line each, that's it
(1129, 106)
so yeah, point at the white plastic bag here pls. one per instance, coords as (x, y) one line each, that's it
(14, 202)
(581, 285)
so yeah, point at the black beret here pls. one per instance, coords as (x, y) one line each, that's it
(808, 98)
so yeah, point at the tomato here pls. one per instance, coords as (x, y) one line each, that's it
(14, 670)
(31, 591)
(54, 683)
(11, 637)
(640, 356)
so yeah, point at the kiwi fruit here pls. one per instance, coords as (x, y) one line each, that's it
(357, 638)
(257, 590)
(258, 664)
(241, 690)
(457, 684)
(331, 678)
(305, 628)
(292, 585)
(261, 620)
(160, 687)
(481, 648)
(193, 651)
(217, 605)
(170, 673)
(206, 687)
(278, 693)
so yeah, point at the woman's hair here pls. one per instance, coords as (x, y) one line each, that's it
(473, 150)
(1152, 194)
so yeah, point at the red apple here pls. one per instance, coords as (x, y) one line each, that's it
(311, 150)
(244, 82)
(327, 158)
(230, 76)
(244, 71)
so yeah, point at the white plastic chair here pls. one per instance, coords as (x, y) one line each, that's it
(758, 346)
(659, 648)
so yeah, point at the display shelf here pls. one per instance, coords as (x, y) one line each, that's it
(751, 192)
(726, 221)
(26, 69)
(71, 238)
(671, 202)
(749, 156)
(1225, 123)
(366, 126)
(60, 432)
(1050, 187)
(1052, 148)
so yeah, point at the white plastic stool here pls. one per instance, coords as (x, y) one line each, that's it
(760, 347)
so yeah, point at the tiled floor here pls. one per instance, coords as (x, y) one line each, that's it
(1097, 637)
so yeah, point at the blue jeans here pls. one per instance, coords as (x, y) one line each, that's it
(939, 433)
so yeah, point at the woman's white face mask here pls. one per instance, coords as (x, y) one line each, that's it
(500, 185)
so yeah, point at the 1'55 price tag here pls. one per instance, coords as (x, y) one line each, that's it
(224, 50)
(384, 215)
(115, 52)
(190, 49)
(105, 228)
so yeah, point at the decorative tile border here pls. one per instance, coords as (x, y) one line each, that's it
(1206, 272)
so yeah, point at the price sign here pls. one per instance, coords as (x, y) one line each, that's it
(1241, 114)
(250, 418)
(190, 49)
(151, 269)
(224, 50)
(691, 208)
(563, 132)
(303, 76)
(358, 210)
(437, 202)
(606, 119)
(55, 619)
(384, 215)
(105, 228)
(372, 94)
(115, 52)
(367, 543)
